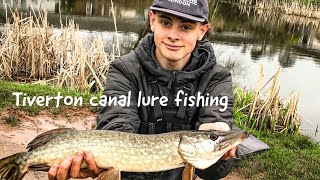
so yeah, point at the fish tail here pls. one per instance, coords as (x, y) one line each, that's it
(11, 169)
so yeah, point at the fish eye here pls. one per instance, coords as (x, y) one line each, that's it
(214, 137)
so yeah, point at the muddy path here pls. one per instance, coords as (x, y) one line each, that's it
(15, 139)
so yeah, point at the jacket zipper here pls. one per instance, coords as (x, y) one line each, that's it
(172, 88)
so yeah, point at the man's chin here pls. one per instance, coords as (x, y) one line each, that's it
(174, 56)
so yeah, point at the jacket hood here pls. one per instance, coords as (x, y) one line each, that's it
(201, 61)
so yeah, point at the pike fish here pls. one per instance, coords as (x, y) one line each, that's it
(121, 151)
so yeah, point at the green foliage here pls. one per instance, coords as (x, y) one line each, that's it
(289, 157)
(242, 100)
(310, 2)
(12, 120)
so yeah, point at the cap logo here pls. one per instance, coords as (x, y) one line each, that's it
(184, 2)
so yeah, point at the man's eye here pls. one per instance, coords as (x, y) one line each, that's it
(165, 23)
(186, 28)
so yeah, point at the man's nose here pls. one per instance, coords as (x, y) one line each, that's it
(173, 34)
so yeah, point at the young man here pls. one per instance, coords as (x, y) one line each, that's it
(169, 62)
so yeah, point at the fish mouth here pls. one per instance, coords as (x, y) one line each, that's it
(244, 136)
(225, 146)
(233, 139)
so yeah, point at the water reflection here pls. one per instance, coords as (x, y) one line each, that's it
(271, 26)
(286, 58)
(271, 33)
(300, 27)
(258, 51)
(301, 76)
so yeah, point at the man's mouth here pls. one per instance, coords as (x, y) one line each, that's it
(172, 47)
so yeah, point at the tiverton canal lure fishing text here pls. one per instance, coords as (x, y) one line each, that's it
(181, 98)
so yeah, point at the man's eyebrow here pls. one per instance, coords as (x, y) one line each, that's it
(164, 16)
(183, 20)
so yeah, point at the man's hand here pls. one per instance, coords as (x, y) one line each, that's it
(230, 154)
(61, 172)
(220, 126)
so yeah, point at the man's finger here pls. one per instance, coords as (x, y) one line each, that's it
(76, 163)
(85, 173)
(53, 172)
(91, 163)
(225, 156)
(232, 152)
(64, 169)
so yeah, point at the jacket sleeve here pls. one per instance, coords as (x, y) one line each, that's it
(219, 88)
(120, 82)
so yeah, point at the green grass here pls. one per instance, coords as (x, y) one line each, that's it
(289, 157)
(7, 99)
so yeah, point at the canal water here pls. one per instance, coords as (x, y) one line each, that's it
(245, 37)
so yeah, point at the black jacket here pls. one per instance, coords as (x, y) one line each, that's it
(135, 73)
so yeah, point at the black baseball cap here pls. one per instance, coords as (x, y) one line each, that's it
(196, 10)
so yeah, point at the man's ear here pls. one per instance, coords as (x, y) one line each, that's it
(203, 29)
(152, 19)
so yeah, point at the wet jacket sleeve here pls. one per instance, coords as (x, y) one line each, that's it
(119, 85)
(219, 88)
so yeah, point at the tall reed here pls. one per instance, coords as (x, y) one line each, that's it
(268, 112)
(33, 51)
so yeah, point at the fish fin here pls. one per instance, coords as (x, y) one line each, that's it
(39, 167)
(10, 169)
(45, 137)
(188, 172)
(110, 174)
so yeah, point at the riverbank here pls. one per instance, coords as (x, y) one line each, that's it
(85, 22)
(290, 156)
(309, 9)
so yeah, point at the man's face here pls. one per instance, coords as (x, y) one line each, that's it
(175, 37)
